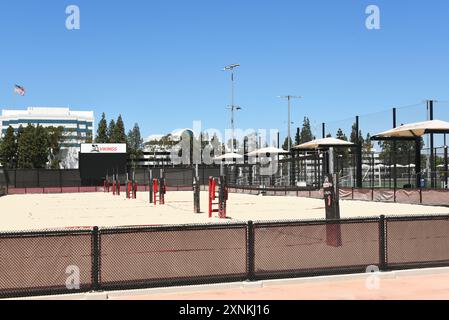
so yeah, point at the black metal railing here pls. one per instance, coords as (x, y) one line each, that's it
(53, 262)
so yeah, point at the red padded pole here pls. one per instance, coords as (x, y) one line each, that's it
(155, 190)
(210, 196)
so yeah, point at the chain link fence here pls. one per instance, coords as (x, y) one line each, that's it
(417, 242)
(42, 178)
(317, 247)
(23, 181)
(148, 257)
(82, 260)
(175, 177)
(42, 263)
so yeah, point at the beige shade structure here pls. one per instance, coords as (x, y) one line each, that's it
(323, 143)
(415, 130)
(265, 151)
(229, 156)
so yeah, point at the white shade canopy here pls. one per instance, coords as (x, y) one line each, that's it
(266, 151)
(414, 130)
(377, 166)
(324, 143)
(229, 156)
(398, 166)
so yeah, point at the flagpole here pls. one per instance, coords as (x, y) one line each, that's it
(14, 98)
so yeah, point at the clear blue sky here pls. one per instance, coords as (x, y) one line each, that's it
(159, 63)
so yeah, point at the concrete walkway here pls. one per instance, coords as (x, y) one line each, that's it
(426, 284)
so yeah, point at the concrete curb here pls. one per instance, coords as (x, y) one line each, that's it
(238, 285)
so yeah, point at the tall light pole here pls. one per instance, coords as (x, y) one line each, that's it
(289, 98)
(232, 107)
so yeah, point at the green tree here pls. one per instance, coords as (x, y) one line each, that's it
(119, 131)
(216, 145)
(167, 140)
(8, 149)
(40, 151)
(25, 147)
(342, 153)
(19, 132)
(236, 145)
(341, 135)
(204, 138)
(306, 132)
(33, 147)
(111, 131)
(405, 151)
(285, 145)
(102, 131)
(298, 137)
(54, 136)
(135, 142)
(367, 146)
(353, 137)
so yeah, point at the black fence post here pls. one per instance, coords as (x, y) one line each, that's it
(420, 195)
(359, 168)
(373, 165)
(95, 259)
(446, 164)
(383, 264)
(433, 167)
(251, 252)
(395, 160)
(418, 163)
(150, 186)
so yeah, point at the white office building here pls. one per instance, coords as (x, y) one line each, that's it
(78, 127)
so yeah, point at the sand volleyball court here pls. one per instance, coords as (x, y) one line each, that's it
(44, 211)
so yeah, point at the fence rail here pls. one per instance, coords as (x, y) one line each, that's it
(428, 197)
(55, 190)
(50, 262)
(47, 179)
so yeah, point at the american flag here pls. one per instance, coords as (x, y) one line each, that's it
(19, 90)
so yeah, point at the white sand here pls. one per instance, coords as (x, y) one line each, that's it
(28, 212)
